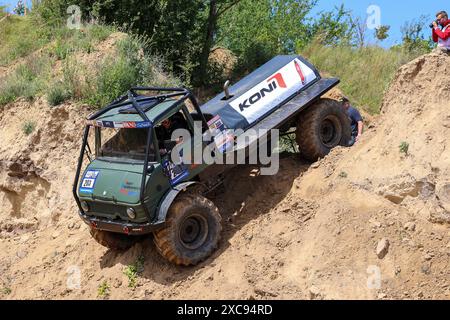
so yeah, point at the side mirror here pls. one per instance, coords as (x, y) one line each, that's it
(150, 169)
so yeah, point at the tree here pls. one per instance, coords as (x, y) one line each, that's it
(216, 8)
(257, 30)
(382, 32)
(360, 27)
(413, 35)
(334, 27)
(20, 8)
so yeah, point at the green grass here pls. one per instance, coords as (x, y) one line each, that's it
(343, 175)
(28, 127)
(112, 77)
(69, 41)
(22, 35)
(103, 290)
(365, 73)
(404, 148)
(6, 291)
(132, 271)
(28, 80)
(33, 77)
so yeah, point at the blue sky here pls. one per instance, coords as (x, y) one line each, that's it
(12, 3)
(393, 13)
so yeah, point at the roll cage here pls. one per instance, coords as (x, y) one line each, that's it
(133, 98)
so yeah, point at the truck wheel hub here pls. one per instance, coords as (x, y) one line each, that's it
(329, 132)
(193, 232)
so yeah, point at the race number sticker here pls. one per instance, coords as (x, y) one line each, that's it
(174, 172)
(88, 182)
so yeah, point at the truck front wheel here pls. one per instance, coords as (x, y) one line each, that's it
(192, 232)
(322, 127)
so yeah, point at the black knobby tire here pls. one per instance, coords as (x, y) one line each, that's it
(192, 232)
(112, 240)
(322, 127)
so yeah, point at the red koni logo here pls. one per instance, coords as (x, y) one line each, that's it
(278, 78)
(300, 72)
(275, 82)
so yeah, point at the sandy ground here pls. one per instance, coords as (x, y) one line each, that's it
(370, 222)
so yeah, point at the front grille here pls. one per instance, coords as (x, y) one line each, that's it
(107, 210)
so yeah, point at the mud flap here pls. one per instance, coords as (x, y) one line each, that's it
(168, 199)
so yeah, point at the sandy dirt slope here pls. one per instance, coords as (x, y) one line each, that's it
(309, 232)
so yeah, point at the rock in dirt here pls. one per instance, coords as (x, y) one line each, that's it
(410, 226)
(314, 293)
(382, 248)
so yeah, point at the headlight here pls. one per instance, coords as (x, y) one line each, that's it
(84, 206)
(131, 213)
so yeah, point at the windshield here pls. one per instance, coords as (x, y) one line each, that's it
(123, 144)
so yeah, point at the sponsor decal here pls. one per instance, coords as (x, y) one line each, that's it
(127, 188)
(143, 124)
(223, 137)
(128, 125)
(278, 78)
(108, 124)
(270, 93)
(120, 125)
(88, 182)
(174, 172)
(300, 72)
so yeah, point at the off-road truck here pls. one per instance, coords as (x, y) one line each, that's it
(128, 187)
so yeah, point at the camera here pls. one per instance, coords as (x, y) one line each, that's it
(431, 24)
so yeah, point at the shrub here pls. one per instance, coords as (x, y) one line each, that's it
(114, 78)
(404, 148)
(6, 290)
(62, 49)
(103, 289)
(28, 127)
(132, 271)
(57, 94)
(129, 67)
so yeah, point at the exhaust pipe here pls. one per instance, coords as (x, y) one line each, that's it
(226, 90)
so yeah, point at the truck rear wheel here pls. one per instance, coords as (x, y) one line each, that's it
(112, 240)
(322, 127)
(192, 232)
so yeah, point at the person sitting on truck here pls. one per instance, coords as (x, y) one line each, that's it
(442, 37)
(356, 121)
(128, 143)
(164, 132)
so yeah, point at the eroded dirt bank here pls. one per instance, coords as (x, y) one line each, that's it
(309, 232)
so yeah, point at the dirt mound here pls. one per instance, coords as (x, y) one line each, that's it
(224, 59)
(394, 185)
(36, 165)
(358, 224)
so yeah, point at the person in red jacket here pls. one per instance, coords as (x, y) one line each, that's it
(442, 36)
